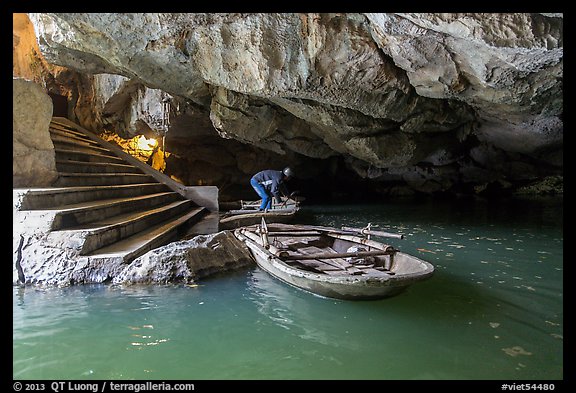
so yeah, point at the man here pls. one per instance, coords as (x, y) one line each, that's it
(270, 183)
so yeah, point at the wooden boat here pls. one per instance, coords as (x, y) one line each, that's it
(331, 262)
(248, 214)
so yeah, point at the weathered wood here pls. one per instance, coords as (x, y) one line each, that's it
(274, 250)
(263, 212)
(347, 231)
(320, 267)
(295, 233)
(264, 234)
(341, 255)
(335, 261)
(313, 264)
(357, 239)
(365, 231)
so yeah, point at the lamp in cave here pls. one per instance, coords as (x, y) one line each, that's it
(146, 144)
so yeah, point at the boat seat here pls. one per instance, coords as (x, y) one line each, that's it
(318, 267)
(333, 263)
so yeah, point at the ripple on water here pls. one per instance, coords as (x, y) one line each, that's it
(491, 296)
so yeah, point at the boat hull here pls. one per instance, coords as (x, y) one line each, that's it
(240, 220)
(250, 215)
(347, 287)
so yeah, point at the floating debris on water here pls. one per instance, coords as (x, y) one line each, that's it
(515, 351)
(152, 343)
(494, 324)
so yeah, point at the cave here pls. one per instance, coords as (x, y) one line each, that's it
(362, 106)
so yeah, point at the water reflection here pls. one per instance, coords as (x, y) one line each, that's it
(296, 310)
(492, 310)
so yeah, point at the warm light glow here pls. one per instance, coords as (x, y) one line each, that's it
(146, 144)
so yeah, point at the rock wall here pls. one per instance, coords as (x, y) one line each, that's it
(38, 262)
(33, 157)
(427, 102)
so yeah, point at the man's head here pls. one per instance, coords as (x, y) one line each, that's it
(288, 172)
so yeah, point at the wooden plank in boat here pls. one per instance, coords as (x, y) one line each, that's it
(320, 267)
(337, 262)
(295, 243)
(375, 272)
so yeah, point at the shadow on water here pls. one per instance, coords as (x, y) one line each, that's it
(437, 298)
(511, 211)
(492, 310)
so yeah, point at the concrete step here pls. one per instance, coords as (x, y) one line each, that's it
(85, 214)
(48, 198)
(116, 228)
(94, 167)
(77, 145)
(65, 129)
(87, 156)
(103, 207)
(57, 132)
(67, 135)
(132, 247)
(69, 179)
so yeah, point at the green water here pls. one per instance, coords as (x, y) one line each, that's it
(492, 311)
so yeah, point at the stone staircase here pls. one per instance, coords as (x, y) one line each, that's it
(102, 206)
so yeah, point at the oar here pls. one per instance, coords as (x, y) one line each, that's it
(357, 254)
(344, 231)
(366, 231)
(264, 233)
(288, 198)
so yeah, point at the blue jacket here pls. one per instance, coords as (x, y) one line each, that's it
(271, 180)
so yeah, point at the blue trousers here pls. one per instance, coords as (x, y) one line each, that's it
(262, 193)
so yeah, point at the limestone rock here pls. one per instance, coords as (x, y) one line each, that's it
(380, 90)
(186, 261)
(42, 262)
(33, 157)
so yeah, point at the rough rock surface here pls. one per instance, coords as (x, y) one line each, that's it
(34, 160)
(187, 261)
(40, 262)
(432, 101)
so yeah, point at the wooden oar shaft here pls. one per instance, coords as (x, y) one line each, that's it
(344, 230)
(372, 232)
(294, 233)
(338, 255)
(267, 212)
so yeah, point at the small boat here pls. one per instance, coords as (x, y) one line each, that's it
(331, 262)
(248, 214)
